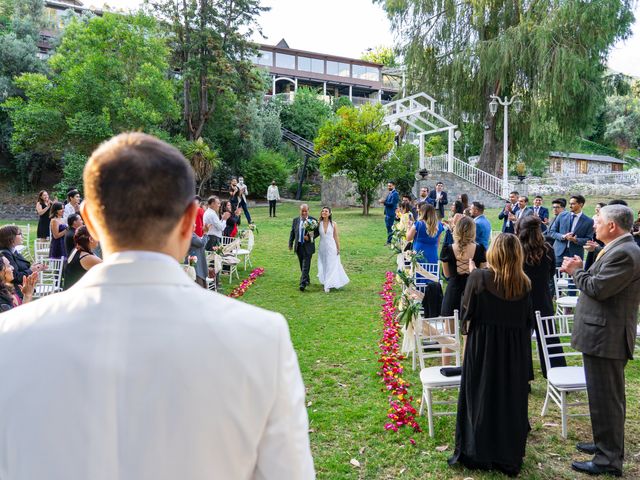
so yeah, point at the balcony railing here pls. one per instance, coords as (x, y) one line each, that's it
(356, 101)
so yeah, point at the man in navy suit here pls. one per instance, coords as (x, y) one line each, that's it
(523, 209)
(571, 230)
(541, 212)
(390, 204)
(511, 208)
(438, 198)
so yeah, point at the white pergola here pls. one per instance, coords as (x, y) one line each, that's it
(418, 111)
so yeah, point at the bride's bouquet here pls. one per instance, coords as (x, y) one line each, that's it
(310, 225)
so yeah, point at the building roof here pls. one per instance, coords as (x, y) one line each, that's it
(587, 156)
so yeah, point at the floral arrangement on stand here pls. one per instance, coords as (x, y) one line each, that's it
(246, 283)
(401, 411)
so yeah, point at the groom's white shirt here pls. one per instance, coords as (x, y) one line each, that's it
(137, 373)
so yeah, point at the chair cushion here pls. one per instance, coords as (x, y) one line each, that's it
(568, 302)
(242, 251)
(230, 261)
(431, 377)
(567, 377)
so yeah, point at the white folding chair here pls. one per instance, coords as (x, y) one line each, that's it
(246, 246)
(50, 279)
(561, 381)
(41, 250)
(420, 281)
(566, 294)
(216, 261)
(230, 258)
(435, 339)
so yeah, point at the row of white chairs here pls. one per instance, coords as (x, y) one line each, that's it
(439, 337)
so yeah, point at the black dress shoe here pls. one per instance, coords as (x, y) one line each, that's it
(591, 468)
(586, 447)
(302, 288)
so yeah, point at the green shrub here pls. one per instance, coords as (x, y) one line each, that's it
(71, 173)
(261, 169)
(341, 102)
(402, 167)
(292, 188)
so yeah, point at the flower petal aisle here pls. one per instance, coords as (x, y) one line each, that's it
(401, 411)
(246, 283)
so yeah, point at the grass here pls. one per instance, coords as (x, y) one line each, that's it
(336, 336)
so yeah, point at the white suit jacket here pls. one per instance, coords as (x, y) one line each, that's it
(137, 373)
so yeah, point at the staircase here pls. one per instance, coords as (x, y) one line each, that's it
(464, 178)
(300, 142)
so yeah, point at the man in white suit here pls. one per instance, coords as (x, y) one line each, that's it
(136, 372)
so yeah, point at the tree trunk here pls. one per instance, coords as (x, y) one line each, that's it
(365, 203)
(488, 157)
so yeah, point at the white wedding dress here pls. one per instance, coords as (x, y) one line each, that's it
(330, 271)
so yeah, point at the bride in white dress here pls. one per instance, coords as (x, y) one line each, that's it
(330, 271)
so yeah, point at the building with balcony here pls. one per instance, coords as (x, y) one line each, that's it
(54, 18)
(332, 76)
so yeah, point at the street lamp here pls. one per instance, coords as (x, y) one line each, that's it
(493, 108)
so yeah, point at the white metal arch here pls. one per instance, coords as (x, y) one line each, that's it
(288, 79)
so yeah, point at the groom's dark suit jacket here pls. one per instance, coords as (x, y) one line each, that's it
(308, 246)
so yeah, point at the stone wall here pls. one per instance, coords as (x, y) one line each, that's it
(18, 212)
(338, 191)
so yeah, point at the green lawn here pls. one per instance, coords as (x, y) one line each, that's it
(336, 337)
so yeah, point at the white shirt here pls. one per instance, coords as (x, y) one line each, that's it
(211, 217)
(574, 223)
(273, 193)
(244, 191)
(143, 375)
(68, 210)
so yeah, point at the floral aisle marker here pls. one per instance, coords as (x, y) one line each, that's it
(401, 411)
(246, 283)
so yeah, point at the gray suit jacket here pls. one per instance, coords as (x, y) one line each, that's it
(606, 315)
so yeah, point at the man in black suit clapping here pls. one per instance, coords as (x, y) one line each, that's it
(438, 198)
(302, 241)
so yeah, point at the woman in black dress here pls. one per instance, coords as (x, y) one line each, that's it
(492, 422)
(81, 258)
(540, 267)
(455, 263)
(231, 230)
(234, 194)
(42, 209)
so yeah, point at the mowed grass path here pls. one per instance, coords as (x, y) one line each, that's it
(336, 336)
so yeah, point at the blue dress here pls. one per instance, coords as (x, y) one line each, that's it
(56, 247)
(425, 244)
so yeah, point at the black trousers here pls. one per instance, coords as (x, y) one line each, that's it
(272, 208)
(607, 407)
(304, 258)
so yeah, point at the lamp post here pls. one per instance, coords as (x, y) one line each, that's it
(493, 108)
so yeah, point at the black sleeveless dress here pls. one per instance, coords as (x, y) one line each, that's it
(74, 270)
(43, 223)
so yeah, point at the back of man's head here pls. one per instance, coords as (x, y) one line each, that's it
(137, 189)
(479, 206)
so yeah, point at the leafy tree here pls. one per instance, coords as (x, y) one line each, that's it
(71, 174)
(305, 114)
(340, 102)
(357, 144)
(623, 122)
(107, 76)
(262, 168)
(551, 53)
(210, 41)
(402, 166)
(202, 158)
(381, 54)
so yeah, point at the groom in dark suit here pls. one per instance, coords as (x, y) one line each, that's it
(303, 243)
(604, 331)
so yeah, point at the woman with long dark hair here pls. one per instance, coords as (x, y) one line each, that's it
(540, 267)
(57, 227)
(231, 230)
(8, 294)
(331, 274)
(10, 238)
(81, 258)
(492, 422)
(43, 204)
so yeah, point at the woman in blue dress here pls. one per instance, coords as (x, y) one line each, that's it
(425, 234)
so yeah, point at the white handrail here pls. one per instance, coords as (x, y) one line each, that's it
(467, 172)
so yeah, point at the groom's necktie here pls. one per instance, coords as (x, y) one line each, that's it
(301, 233)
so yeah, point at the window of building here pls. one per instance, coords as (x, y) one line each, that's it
(616, 167)
(344, 70)
(285, 61)
(366, 73)
(555, 165)
(583, 166)
(332, 68)
(304, 64)
(264, 58)
(317, 65)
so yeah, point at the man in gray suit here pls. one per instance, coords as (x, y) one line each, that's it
(604, 331)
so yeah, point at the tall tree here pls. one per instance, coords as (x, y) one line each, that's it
(381, 54)
(108, 75)
(210, 41)
(551, 52)
(622, 117)
(356, 143)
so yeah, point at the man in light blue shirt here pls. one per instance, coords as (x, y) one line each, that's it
(483, 226)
